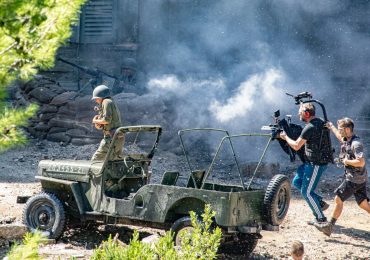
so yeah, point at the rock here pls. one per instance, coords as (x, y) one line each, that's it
(58, 137)
(57, 130)
(35, 133)
(55, 87)
(41, 127)
(76, 133)
(46, 117)
(7, 220)
(150, 239)
(12, 231)
(78, 256)
(64, 110)
(42, 94)
(29, 86)
(63, 98)
(49, 109)
(86, 115)
(65, 123)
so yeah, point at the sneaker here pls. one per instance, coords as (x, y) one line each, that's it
(316, 222)
(326, 228)
(324, 206)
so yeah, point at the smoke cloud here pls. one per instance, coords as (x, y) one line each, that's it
(229, 63)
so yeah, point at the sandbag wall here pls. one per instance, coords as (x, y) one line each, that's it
(62, 116)
(65, 117)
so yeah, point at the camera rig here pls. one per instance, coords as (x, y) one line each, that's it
(306, 97)
(293, 131)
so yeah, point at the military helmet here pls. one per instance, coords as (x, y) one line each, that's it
(129, 63)
(101, 91)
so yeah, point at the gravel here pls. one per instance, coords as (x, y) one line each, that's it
(351, 238)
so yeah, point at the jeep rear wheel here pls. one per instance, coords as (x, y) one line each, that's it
(180, 226)
(277, 199)
(45, 212)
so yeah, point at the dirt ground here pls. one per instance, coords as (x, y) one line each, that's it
(351, 238)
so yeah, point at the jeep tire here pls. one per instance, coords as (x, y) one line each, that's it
(277, 199)
(181, 225)
(45, 212)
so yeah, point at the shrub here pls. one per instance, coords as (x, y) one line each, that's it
(204, 240)
(28, 249)
(201, 243)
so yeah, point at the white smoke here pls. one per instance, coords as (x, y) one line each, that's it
(165, 82)
(258, 88)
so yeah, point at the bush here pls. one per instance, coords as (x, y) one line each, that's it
(201, 243)
(28, 249)
(204, 241)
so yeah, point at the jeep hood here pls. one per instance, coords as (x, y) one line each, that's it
(73, 170)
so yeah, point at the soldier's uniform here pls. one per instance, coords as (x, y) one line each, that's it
(109, 112)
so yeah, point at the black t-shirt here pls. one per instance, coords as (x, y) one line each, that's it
(312, 131)
(315, 141)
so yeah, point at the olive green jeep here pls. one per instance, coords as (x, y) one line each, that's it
(119, 191)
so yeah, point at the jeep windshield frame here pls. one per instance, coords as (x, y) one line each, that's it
(136, 129)
(227, 138)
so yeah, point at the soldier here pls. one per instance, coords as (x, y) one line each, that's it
(131, 79)
(108, 120)
(355, 172)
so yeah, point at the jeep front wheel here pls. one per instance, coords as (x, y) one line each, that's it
(277, 199)
(45, 212)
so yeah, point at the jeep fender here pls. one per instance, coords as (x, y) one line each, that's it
(182, 207)
(61, 187)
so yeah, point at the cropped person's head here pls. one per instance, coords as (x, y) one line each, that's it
(297, 250)
(345, 124)
(306, 111)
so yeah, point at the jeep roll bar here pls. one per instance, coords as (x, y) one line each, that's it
(181, 132)
(240, 175)
(226, 137)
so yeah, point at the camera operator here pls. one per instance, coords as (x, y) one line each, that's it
(355, 172)
(317, 155)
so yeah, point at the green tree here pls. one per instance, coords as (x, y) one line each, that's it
(30, 34)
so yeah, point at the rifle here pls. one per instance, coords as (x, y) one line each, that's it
(95, 72)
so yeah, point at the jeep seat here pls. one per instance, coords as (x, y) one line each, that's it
(195, 179)
(170, 178)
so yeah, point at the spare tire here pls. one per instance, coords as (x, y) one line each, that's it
(277, 199)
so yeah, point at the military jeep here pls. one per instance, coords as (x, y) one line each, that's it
(119, 191)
